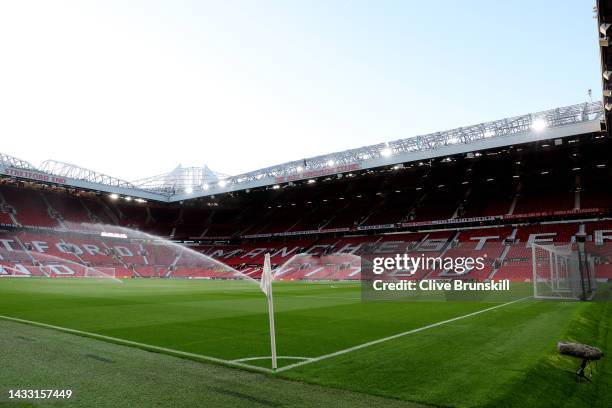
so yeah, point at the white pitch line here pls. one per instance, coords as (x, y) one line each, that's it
(395, 336)
(268, 357)
(143, 346)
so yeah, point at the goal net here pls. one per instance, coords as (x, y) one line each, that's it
(100, 273)
(562, 272)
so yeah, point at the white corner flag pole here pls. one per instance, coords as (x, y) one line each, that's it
(266, 287)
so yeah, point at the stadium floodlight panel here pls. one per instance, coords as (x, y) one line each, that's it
(205, 187)
(128, 198)
(113, 196)
(539, 124)
(330, 163)
(222, 183)
(189, 190)
(386, 152)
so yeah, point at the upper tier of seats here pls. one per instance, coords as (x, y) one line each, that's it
(533, 180)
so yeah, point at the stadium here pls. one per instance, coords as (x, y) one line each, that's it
(149, 292)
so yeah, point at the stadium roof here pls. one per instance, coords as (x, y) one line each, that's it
(188, 183)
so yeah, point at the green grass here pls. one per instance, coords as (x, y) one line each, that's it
(502, 357)
(107, 375)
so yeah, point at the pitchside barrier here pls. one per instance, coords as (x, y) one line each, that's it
(58, 271)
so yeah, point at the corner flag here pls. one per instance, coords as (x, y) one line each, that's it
(266, 287)
(266, 278)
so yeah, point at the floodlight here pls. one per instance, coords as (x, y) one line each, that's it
(275, 187)
(539, 124)
(114, 196)
(299, 169)
(204, 186)
(188, 190)
(489, 133)
(386, 152)
(330, 163)
(128, 198)
(311, 181)
(222, 183)
(140, 200)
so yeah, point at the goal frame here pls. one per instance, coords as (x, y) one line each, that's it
(568, 276)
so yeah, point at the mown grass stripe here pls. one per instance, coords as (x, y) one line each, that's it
(395, 336)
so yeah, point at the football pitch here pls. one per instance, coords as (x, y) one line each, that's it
(430, 352)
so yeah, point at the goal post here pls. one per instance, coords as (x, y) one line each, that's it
(562, 272)
(100, 273)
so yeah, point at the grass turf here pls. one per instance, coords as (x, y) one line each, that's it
(483, 360)
(114, 376)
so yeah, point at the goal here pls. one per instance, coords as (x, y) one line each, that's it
(100, 273)
(562, 272)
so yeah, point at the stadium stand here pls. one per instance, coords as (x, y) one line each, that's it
(495, 205)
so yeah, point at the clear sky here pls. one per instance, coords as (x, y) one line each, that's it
(133, 88)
